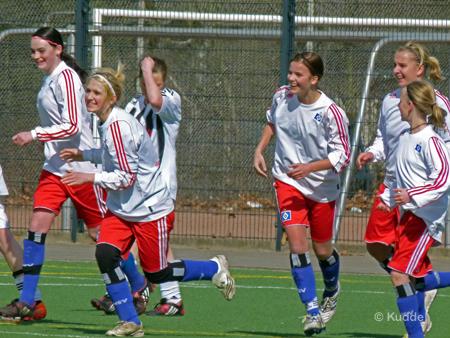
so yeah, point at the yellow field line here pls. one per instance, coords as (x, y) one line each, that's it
(235, 276)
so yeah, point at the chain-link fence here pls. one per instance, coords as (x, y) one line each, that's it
(224, 60)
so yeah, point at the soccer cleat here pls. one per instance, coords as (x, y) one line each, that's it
(20, 311)
(328, 305)
(223, 279)
(126, 329)
(313, 324)
(104, 304)
(141, 298)
(430, 296)
(164, 308)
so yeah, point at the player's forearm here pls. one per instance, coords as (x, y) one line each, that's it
(324, 164)
(153, 93)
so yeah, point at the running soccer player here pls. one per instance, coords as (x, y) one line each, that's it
(65, 122)
(412, 63)
(421, 190)
(158, 109)
(139, 203)
(13, 254)
(312, 148)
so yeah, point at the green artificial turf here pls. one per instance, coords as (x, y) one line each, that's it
(266, 304)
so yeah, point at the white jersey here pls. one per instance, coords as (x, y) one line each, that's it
(390, 127)
(309, 133)
(3, 188)
(162, 126)
(136, 190)
(423, 169)
(65, 121)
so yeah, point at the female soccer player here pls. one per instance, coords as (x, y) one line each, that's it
(421, 190)
(312, 147)
(158, 109)
(412, 63)
(13, 254)
(139, 203)
(64, 123)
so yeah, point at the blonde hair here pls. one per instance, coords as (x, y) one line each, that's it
(114, 78)
(423, 57)
(422, 95)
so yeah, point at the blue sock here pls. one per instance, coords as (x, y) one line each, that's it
(33, 257)
(330, 272)
(420, 295)
(436, 280)
(123, 301)
(199, 270)
(135, 278)
(306, 286)
(408, 307)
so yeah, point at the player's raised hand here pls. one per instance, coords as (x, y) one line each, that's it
(71, 155)
(259, 163)
(401, 197)
(23, 138)
(300, 171)
(147, 64)
(382, 206)
(363, 159)
(77, 178)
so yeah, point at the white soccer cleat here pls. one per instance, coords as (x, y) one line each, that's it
(313, 324)
(126, 329)
(430, 296)
(223, 279)
(328, 305)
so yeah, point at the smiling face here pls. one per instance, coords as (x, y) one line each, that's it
(300, 78)
(405, 105)
(97, 100)
(46, 56)
(407, 69)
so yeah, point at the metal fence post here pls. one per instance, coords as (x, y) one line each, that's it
(81, 54)
(287, 39)
(82, 32)
(287, 51)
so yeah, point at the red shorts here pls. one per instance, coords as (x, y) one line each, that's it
(296, 209)
(152, 238)
(412, 243)
(382, 225)
(89, 200)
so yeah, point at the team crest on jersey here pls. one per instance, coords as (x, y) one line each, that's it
(318, 117)
(290, 96)
(418, 148)
(286, 215)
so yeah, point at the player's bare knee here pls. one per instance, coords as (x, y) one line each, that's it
(378, 251)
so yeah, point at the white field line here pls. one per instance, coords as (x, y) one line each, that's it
(206, 286)
(43, 335)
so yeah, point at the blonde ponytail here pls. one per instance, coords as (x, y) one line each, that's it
(422, 55)
(423, 97)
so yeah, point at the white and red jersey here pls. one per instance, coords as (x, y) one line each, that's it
(65, 121)
(390, 127)
(136, 190)
(423, 168)
(162, 126)
(3, 188)
(309, 133)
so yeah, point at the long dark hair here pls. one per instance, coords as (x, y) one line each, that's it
(55, 38)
